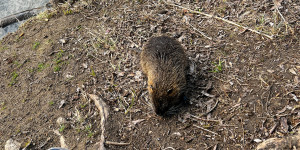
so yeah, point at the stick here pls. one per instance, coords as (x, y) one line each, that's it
(116, 143)
(12, 19)
(200, 32)
(206, 130)
(23, 15)
(285, 22)
(102, 107)
(222, 19)
(205, 119)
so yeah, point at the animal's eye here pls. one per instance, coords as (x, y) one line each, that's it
(170, 91)
(150, 88)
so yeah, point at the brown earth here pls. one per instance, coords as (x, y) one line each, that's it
(242, 87)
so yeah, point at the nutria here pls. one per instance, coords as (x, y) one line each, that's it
(164, 62)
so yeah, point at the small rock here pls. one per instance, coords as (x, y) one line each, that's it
(177, 133)
(270, 70)
(138, 75)
(294, 97)
(12, 145)
(84, 65)
(63, 41)
(186, 19)
(68, 76)
(62, 103)
(292, 71)
(257, 140)
(61, 121)
(192, 68)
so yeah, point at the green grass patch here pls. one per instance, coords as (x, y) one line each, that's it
(88, 129)
(17, 64)
(2, 105)
(82, 105)
(36, 45)
(93, 72)
(14, 77)
(217, 66)
(62, 128)
(132, 101)
(51, 103)
(45, 15)
(41, 67)
(67, 12)
(2, 47)
(56, 68)
(58, 62)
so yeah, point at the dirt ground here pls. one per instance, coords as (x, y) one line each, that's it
(243, 87)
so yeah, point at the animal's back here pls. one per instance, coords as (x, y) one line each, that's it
(161, 52)
(164, 62)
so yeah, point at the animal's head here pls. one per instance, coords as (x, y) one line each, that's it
(165, 94)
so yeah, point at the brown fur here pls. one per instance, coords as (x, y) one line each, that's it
(164, 62)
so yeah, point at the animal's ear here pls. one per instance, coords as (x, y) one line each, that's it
(169, 91)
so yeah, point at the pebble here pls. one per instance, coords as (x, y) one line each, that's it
(12, 145)
(61, 121)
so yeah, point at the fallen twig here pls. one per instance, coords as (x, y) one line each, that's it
(263, 80)
(205, 119)
(206, 94)
(206, 130)
(169, 148)
(100, 104)
(115, 143)
(137, 46)
(20, 16)
(200, 32)
(273, 128)
(285, 22)
(219, 18)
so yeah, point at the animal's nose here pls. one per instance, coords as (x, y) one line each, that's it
(159, 112)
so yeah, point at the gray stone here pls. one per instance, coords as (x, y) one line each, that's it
(12, 145)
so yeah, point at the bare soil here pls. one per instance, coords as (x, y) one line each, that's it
(243, 87)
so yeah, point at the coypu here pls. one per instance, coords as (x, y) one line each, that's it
(165, 64)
